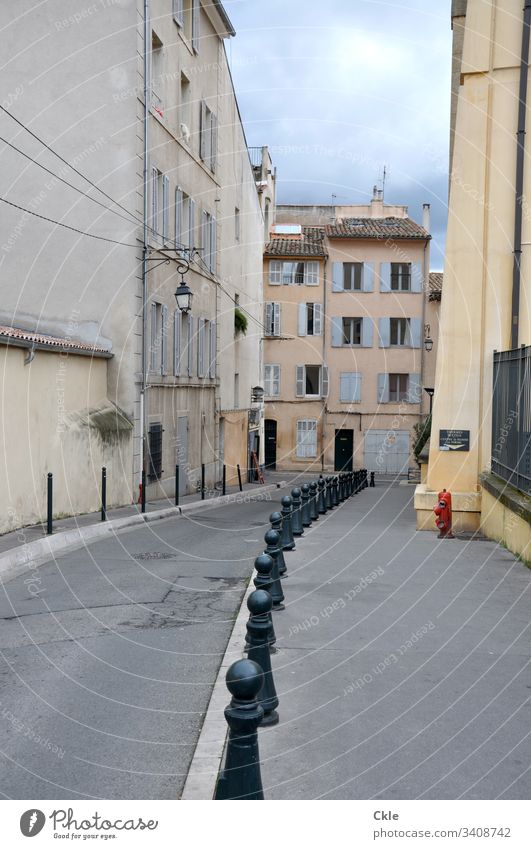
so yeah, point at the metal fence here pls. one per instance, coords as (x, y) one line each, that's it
(511, 417)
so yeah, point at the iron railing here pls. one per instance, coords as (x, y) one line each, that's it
(255, 154)
(511, 417)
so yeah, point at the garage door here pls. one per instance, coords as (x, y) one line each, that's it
(387, 451)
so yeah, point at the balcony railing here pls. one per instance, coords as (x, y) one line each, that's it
(511, 418)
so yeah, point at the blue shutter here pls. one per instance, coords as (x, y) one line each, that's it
(417, 277)
(324, 381)
(201, 348)
(213, 340)
(178, 218)
(163, 339)
(415, 326)
(302, 320)
(195, 25)
(213, 244)
(337, 332)
(414, 390)
(337, 277)
(317, 319)
(178, 11)
(153, 339)
(190, 345)
(366, 332)
(356, 393)
(385, 277)
(368, 277)
(269, 319)
(191, 224)
(177, 342)
(165, 208)
(344, 387)
(299, 373)
(384, 328)
(276, 319)
(383, 388)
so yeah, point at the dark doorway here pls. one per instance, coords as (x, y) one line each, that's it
(270, 435)
(344, 449)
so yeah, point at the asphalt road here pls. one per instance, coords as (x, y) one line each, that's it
(108, 656)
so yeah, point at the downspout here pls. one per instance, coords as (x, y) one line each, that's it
(143, 392)
(426, 223)
(519, 183)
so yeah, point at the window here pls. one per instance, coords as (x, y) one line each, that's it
(186, 16)
(293, 273)
(400, 332)
(398, 387)
(310, 319)
(185, 112)
(272, 320)
(272, 380)
(208, 136)
(352, 276)
(155, 451)
(157, 74)
(158, 338)
(400, 276)
(209, 236)
(237, 224)
(350, 387)
(306, 438)
(311, 381)
(352, 331)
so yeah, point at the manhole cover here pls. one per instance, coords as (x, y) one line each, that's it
(153, 555)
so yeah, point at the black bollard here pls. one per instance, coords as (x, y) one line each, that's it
(335, 491)
(239, 478)
(224, 480)
(241, 777)
(259, 605)
(287, 540)
(321, 497)
(365, 478)
(296, 516)
(49, 504)
(314, 511)
(263, 581)
(272, 541)
(276, 525)
(103, 494)
(351, 484)
(177, 485)
(143, 499)
(341, 487)
(329, 495)
(305, 509)
(372, 479)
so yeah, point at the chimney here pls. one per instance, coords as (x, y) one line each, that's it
(426, 216)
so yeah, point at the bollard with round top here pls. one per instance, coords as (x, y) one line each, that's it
(372, 479)
(314, 512)
(259, 604)
(305, 509)
(342, 487)
(296, 516)
(351, 484)
(263, 580)
(276, 525)
(365, 479)
(287, 540)
(241, 777)
(329, 494)
(335, 491)
(272, 541)
(321, 496)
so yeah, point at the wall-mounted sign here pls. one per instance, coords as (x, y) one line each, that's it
(454, 440)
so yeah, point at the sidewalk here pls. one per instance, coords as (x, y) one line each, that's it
(400, 669)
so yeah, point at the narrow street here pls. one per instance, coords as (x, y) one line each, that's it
(108, 656)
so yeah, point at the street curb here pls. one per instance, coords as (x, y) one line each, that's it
(29, 555)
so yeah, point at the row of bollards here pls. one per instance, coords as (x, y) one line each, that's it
(250, 681)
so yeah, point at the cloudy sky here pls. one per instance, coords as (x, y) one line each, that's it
(340, 89)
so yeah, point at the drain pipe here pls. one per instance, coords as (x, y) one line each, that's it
(145, 235)
(519, 183)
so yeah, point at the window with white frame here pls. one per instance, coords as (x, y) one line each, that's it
(272, 319)
(186, 16)
(400, 276)
(272, 380)
(399, 388)
(208, 136)
(352, 276)
(352, 328)
(157, 74)
(310, 319)
(400, 331)
(311, 381)
(350, 387)
(306, 438)
(297, 273)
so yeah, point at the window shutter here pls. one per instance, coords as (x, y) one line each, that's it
(368, 277)
(337, 332)
(153, 352)
(275, 272)
(383, 388)
(205, 237)
(344, 387)
(154, 199)
(178, 12)
(366, 332)
(179, 218)
(300, 381)
(276, 381)
(195, 25)
(165, 208)
(190, 345)
(356, 389)
(269, 319)
(384, 328)
(276, 319)
(317, 319)
(417, 277)
(324, 381)
(385, 277)
(302, 319)
(414, 391)
(202, 129)
(201, 348)
(213, 341)
(191, 224)
(337, 277)
(415, 328)
(311, 273)
(177, 342)
(163, 337)
(213, 243)
(214, 143)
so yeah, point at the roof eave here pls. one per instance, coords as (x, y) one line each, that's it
(42, 346)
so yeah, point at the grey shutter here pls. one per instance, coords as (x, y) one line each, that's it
(275, 272)
(178, 11)
(213, 340)
(269, 312)
(356, 388)
(414, 391)
(179, 218)
(415, 328)
(385, 277)
(417, 277)
(337, 277)
(368, 277)
(276, 380)
(302, 319)
(163, 338)
(317, 319)
(276, 319)
(205, 237)
(366, 332)
(154, 199)
(214, 143)
(202, 130)
(201, 348)
(383, 388)
(177, 342)
(324, 381)
(344, 387)
(190, 345)
(153, 339)
(165, 208)
(213, 243)
(337, 332)
(299, 373)
(191, 224)
(195, 25)
(384, 329)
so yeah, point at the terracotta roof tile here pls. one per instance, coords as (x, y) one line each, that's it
(435, 285)
(376, 228)
(311, 244)
(45, 341)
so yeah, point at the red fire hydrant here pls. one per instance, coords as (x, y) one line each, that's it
(443, 514)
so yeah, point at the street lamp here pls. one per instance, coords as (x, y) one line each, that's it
(431, 392)
(428, 341)
(183, 295)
